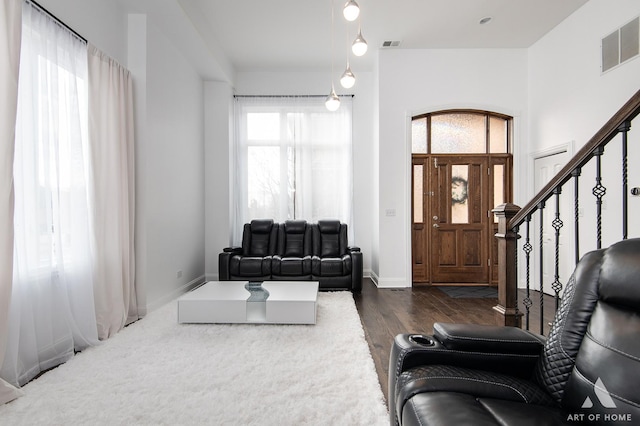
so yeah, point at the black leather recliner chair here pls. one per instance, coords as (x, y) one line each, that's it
(587, 371)
(334, 262)
(252, 261)
(293, 258)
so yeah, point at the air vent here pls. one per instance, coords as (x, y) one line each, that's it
(390, 43)
(621, 45)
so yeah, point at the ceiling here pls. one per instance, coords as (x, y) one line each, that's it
(296, 34)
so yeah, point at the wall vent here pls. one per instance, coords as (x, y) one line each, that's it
(621, 45)
(389, 43)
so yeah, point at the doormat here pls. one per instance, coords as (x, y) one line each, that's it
(469, 292)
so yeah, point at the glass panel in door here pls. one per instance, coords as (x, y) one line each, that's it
(419, 232)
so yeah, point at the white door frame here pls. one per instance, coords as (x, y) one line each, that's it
(567, 148)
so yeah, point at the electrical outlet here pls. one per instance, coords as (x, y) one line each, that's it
(179, 273)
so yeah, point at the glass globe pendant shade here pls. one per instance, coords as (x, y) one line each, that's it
(351, 10)
(348, 79)
(359, 46)
(333, 101)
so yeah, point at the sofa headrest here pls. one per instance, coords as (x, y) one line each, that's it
(329, 226)
(261, 226)
(620, 274)
(295, 226)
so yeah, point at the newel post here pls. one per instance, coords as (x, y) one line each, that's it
(507, 308)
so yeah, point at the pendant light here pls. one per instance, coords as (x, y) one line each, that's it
(351, 10)
(348, 79)
(332, 102)
(359, 46)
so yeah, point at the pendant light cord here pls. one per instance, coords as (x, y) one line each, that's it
(332, 41)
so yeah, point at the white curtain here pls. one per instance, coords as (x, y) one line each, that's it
(293, 160)
(112, 157)
(52, 311)
(10, 29)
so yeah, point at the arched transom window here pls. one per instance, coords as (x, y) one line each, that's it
(461, 132)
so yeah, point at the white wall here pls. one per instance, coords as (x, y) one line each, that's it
(570, 100)
(418, 81)
(218, 171)
(102, 23)
(569, 97)
(375, 168)
(172, 178)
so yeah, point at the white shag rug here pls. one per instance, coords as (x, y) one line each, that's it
(159, 372)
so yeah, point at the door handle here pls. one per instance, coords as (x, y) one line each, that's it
(435, 218)
(435, 225)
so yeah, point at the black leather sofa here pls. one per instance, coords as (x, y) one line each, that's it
(294, 251)
(586, 371)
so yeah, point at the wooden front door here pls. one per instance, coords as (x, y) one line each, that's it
(453, 227)
(459, 219)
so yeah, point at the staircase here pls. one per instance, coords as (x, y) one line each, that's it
(595, 183)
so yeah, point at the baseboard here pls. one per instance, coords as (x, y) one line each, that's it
(374, 277)
(175, 293)
(389, 282)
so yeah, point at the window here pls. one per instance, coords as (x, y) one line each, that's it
(52, 309)
(58, 143)
(461, 132)
(293, 159)
(50, 166)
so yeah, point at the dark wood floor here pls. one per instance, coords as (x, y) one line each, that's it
(387, 312)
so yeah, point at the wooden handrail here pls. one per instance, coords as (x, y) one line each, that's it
(627, 113)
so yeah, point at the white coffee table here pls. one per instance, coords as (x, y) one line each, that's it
(289, 302)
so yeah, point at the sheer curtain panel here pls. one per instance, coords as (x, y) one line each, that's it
(111, 145)
(293, 160)
(10, 28)
(52, 311)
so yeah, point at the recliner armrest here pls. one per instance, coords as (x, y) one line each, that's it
(224, 270)
(356, 269)
(353, 249)
(412, 350)
(488, 338)
(235, 249)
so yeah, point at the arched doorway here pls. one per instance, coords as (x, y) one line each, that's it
(461, 169)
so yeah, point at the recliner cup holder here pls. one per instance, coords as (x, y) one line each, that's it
(421, 340)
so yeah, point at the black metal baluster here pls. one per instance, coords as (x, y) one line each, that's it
(599, 191)
(576, 200)
(557, 224)
(527, 248)
(541, 266)
(515, 248)
(624, 128)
